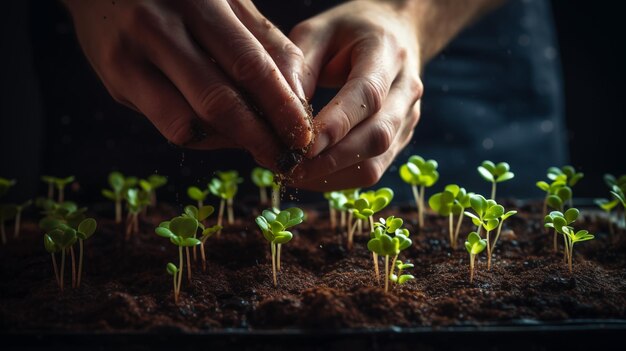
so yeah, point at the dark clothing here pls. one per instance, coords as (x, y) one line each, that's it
(494, 93)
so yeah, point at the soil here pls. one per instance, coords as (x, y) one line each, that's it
(321, 284)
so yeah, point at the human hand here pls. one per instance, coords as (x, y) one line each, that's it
(187, 66)
(369, 49)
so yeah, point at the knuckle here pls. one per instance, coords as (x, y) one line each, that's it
(329, 162)
(373, 90)
(381, 137)
(340, 128)
(218, 100)
(250, 65)
(416, 88)
(302, 29)
(177, 131)
(293, 52)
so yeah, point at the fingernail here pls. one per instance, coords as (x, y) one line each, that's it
(321, 142)
(299, 90)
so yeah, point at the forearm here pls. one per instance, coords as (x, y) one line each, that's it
(436, 22)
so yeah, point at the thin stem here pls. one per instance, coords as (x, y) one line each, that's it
(360, 226)
(203, 255)
(472, 258)
(458, 228)
(386, 277)
(231, 212)
(571, 253)
(393, 265)
(342, 222)
(421, 209)
(195, 254)
(118, 211)
(366, 225)
(62, 268)
(220, 214)
(278, 246)
(495, 240)
(351, 234)
(188, 265)
(262, 195)
(18, 220)
(80, 262)
(349, 222)
(493, 191)
(416, 196)
(73, 267)
(180, 273)
(565, 248)
(376, 270)
(175, 288)
(488, 251)
(371, 222)
(332, 216)
(554, 239)
(273, 252)
(200, 204)
(450, 232)
(276, 197)
(56, 269)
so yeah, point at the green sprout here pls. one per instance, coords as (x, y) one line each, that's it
(364, 208)
(7, 212)
(488, 215)
(225, 187)
(572, 238)
(197, 194)
(200, 214)
(568, 172)
(474, 245)
(18, 217)
(336, 201)
(182, 232)
(617, 188)
(346, 210)
(418, 172)
(382, 243)
(119, 185)
(65, 225)
(59, 184)
(136, 202)
(274, 225)
(452, 201)
(495, 174)
(400, 278)
(151, 184)
(557, 220)
(263, 179)
(557, 193)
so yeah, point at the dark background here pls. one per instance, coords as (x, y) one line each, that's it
(45, 72)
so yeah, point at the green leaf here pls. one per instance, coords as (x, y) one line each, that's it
(485, 174)
(489, 166)
(184, 227)
(507, 215)
(205, 211)
(571, 215)
(564, 193)
(405, 278)
(145, 185)
(262, 223)
(543, 186)
(171, 269)
(109, 194)
(494, 212)
(49, 244)
(502, 168)
(191, 211)
(375, 245)
(189, 242)
(164, 232)
(196, 194)
(504, 177)
(554, 202)
(63, 238)
(283, 237)
(87, 227)
(474, 244)
(491, 224)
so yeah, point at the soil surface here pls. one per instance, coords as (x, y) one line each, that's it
(321, 284)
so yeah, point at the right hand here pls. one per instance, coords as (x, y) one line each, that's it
(187, 66)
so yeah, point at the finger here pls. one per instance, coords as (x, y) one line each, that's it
(314, 41)
(213, 98)
(245, 61)
(374, 68)
(147, 91)
(371, 138)
(287, 56)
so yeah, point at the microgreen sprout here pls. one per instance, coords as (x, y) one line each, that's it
(617, 188)
(495, 174)
(274, 225)
(151, 184)
(557, 192)
(399, 278)
(197, 194)
(558, 220)
(201, 214)
(572, 238)
(136, 201)
(474, 245)
(336, 201)
(382, 243)
(119, 185)
(225, 187)
(59, 184)
(419, 173)
(182, 232)
(18, 217)
(59, 240)
(364, 208)
(488, 215)
(263, 179)
(452, 201)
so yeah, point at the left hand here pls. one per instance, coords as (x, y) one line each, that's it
(369, 49)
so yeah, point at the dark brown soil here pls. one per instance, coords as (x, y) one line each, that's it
(321, 284)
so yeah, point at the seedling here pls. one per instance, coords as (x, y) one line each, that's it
(150, 186)
(557, 193)
(274, 225)
(7, 212)
(557, 220)
(225, 187)
(364, 208)
(86, 228)
(452, 201)
(59, 184)
(18, 217)
(608, 206)
(419, 173)
(474, 245)
(383, 244)
(336, 201)
(201, 214)
(263, 178)
(400, 278)
(495, 174)
(488, 215)
(572, 238)
(59, 240)
(182, 232)
(119, 185)
(136, 201)
(197, 194)
(617, 188)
